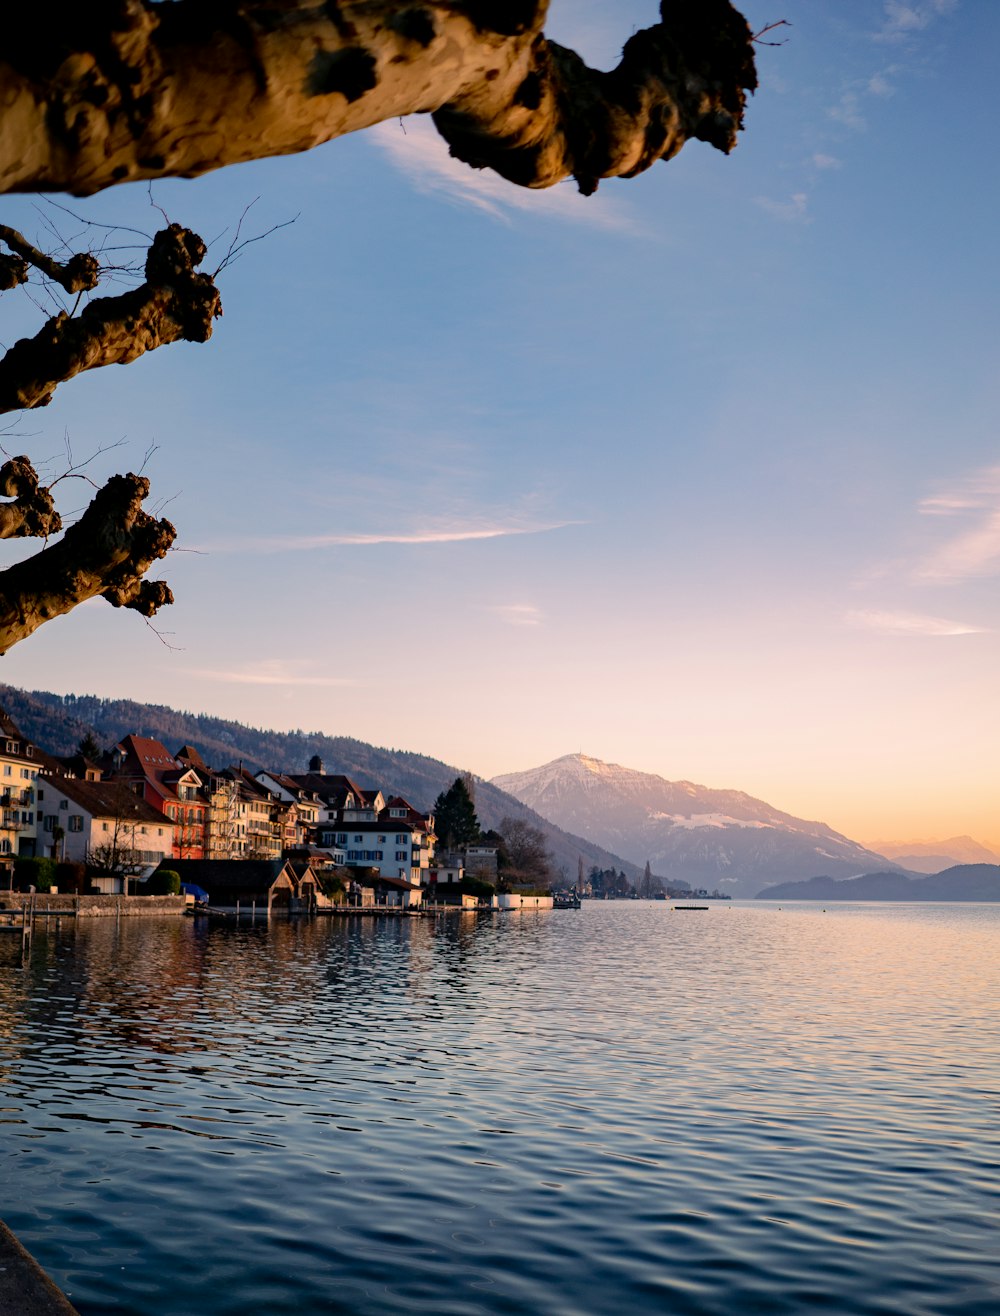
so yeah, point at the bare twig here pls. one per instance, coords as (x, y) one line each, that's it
(156, 205)
(782, 22)
(72, 472)
(234, 250)
(162, 637)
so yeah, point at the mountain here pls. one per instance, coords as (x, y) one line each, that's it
(935, 856)
(963, 882)
(710, 838)
(57, 723)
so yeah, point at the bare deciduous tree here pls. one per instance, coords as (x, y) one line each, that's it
(528, 859)
(119, 90)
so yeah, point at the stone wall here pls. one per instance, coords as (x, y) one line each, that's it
(95, 906)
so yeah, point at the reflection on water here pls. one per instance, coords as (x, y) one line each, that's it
(615, 1109)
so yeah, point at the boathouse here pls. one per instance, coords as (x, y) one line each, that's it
(265, 883)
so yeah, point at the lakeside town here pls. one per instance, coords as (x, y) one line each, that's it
(138, 819)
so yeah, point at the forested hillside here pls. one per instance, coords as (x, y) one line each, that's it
(57, 723)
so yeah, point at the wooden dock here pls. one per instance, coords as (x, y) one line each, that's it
(19, 922)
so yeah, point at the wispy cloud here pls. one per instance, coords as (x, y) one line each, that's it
(823, 161)
(422, 155)
(793, 210)
(902, 19)
(879, 85)
(517, 614)
(975, 549)
(847, 111)
(910, 623)
(273, 672)
(432, 535)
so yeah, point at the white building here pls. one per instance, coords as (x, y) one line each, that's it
(102, 821)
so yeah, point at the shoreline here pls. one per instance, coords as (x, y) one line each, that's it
(25, 1288)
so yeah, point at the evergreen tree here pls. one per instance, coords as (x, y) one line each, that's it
(89, 747)
(455, 818)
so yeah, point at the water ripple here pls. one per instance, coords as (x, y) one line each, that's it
(760, 1110)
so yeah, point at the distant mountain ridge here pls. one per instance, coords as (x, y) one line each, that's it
(935, 856)
(57, 723)
(710, 838)
(969, 882)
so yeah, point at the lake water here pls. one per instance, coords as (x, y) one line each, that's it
(617, 1109)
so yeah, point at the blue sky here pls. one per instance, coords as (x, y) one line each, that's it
(700, 475)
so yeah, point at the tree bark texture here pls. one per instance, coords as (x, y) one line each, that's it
(107, 552)
(117, 90)
(174, 302)
(31, 511)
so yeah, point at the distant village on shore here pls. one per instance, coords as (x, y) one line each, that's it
(137, 819)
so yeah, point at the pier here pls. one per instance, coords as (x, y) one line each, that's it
(25, 1289)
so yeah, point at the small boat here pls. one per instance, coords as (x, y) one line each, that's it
(565, 900)
(690, 907)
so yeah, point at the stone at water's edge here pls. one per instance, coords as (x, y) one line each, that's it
(25, 1289)
(47, 905)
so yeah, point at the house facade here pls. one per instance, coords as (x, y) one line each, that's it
(104, 824)
(169, 786)
(19, 765)
(398, 842)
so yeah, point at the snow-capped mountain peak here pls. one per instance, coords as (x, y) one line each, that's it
(708, 837)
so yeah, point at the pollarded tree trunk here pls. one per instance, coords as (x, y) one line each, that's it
(107, 552)
(114, 543)
(109, 91)
(117, 90)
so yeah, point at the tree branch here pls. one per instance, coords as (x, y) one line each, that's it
(173, 303)
(33, 510)
(150, 90)
(683, 78)
(106, 552)
(80, 273)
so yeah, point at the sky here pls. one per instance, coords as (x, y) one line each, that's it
(700, 475)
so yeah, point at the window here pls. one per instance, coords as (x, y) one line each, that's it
(397, 813)
(381, 840)
(400, 856)
(11, 746)
(50, 822)
(400, 838)
(104, 827)
(8, 771)
(41, 793)
(64, 804)
(29, 751)
(358, 838)
(25, 774)
(76, 822)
